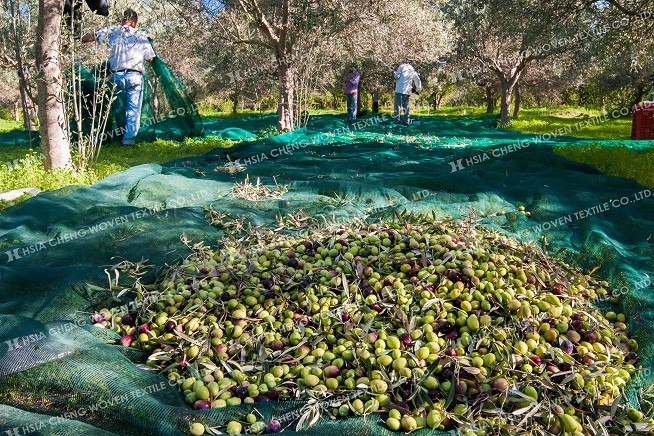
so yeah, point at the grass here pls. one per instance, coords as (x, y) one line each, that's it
(19, 169)
(587, 124)
(6, 125)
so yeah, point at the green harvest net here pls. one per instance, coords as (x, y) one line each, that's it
(58, 376)
(167, 112)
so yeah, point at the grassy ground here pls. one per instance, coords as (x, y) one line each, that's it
(6, 126)
(618, 160)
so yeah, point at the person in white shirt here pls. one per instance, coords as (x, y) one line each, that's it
(130, 48)
(407, 81)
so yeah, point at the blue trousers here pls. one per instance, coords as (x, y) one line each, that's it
(129, 87)
(402, 101)
(352, 105)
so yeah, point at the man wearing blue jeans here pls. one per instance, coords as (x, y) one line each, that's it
(130, 48)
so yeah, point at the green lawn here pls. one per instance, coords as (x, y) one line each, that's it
(6, 126)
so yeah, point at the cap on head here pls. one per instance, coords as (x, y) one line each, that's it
(130, 15)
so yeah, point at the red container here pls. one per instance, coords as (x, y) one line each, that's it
(642, 125)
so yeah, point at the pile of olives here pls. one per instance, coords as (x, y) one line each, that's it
(435, 325)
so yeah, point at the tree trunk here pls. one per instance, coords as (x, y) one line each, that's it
(640, 92)
(16, 110)
(234, 103)
(286, 97)
(508, 85)
(517, 101)
(28, 123)
(507, 93)
(490, 100)
(53, 123)
(438, 98)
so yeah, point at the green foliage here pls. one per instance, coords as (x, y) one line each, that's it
(268, 132)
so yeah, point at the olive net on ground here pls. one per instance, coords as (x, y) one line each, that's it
(58, 376)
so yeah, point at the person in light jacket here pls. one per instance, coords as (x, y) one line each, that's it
(407, 82)
(130, 48)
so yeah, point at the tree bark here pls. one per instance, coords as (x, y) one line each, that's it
(235, 103)
(28, 123)
(286, 97)
(517, 101)
(53, 123)
(490, 100)
(507, 93)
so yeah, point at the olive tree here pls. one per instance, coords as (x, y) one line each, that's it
(506, 37)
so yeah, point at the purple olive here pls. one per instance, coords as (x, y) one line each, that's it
(406, 339)
(144, 328)
(225, 296)
(368, 291)
(277, 345)
(434, 394)
(445, 327)
(273, 426)
(565, 367)
(97, 318)
(590, 337)
(272, 394)
(201, 405)
(128, 319)
(345, 317)
(453, 335)
(204, 270)
(292, 262)
(126, 340)
(267, 283)
(567, 347)
(170, 326)
(536, 359)
(241, 392)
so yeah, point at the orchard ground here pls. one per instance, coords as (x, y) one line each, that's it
(20, 168)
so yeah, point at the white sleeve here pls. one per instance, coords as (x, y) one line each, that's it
(102, 35)
(148, 51)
